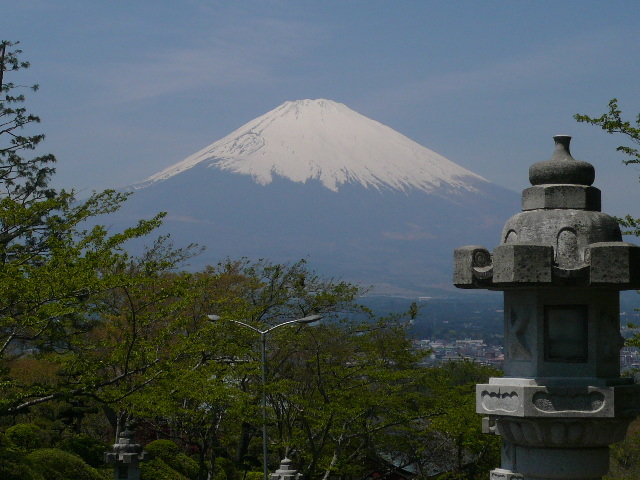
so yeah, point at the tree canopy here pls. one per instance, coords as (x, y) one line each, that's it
(92, 337)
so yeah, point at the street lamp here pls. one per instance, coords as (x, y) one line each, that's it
(263, 337)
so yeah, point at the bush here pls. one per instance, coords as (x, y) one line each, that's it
(18, 471)
(162, 448)
(157, 469)
(225, 469)
(170, 453)
(89, 449)
(55, 464)
(13, 462)
(26, 436)
(254, 476)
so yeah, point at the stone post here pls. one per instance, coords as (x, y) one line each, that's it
(126, 457)
(561, 264)
(286, 472)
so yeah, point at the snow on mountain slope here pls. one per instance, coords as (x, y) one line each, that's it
(329, 142)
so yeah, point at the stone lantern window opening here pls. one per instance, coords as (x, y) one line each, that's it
(566, 333)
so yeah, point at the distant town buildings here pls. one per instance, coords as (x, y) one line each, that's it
(478, 351)
(475, 350)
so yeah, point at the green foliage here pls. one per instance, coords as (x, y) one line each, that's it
(26, 436)
(157, 469)
(91, 450)
(612, 123)
(224, 469)
(163, 449)
(85, 328)
(453, 387)
(71, 298)
(212, 399)
(170, 453)
(14, 464)
(55, 464)
(254, 476)
(625, 456)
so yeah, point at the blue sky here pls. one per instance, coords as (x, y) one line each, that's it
(130, 87)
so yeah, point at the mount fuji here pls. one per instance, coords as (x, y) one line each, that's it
(314, 179)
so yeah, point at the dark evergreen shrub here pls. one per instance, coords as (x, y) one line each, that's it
(26, 436)
(13, 462)
(55, 464)
(225, 469)
(157, 469)
(170, 453)
(89, 449)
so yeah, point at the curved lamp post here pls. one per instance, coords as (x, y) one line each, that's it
(263, 337)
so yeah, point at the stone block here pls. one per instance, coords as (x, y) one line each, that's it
(489, 425)
(562, 463)
(547, 197)
(502, 474)
(536, 401)
(471, 266)
(615, 264)
(522, 264)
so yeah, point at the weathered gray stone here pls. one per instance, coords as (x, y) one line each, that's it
(553, 402)
(527, 312)
(562, 167)
(561, 263)
(286, 472)
(522, 263)
(562, 432)
(472, 266)
(126, 457)
(548, 197)
(614, 263)
(561, 463)
(549, 227)
(501, 474)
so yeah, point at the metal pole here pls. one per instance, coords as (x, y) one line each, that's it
(263, 335)
(264, 406)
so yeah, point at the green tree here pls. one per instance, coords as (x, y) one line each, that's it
(453, 389)
(57, 266)
(340, 392)
(211, 401)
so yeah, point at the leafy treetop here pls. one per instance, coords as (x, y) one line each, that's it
(612, 122)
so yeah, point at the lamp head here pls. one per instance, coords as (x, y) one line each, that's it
(309, 319)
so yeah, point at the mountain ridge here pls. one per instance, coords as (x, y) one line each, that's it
(290, 141)
(397, 237)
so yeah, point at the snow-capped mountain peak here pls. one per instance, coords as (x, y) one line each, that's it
(326, 141)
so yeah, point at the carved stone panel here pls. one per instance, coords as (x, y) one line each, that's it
(557, 402)
(554, 403)
(517, 333)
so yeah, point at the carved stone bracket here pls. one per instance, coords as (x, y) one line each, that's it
(546, 401)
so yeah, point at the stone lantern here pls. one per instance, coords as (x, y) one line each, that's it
(126, 457)
(561, 264)
(286, 472)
